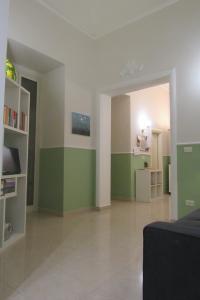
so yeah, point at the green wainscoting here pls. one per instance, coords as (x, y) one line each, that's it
(79, 178)
(188, 168)
(121, 176)
(123, 167)
(166, 161)
(51, 184)
(67, 179)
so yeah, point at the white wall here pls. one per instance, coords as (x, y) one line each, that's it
(151, 107)
(162, 41)
(82, 101)
(121, 124)
(38, 28)
(52, 108)
(4, 5)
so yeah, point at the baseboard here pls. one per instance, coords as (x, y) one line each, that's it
(79, 210)
(103, 208)
(51, 212)
(123, 199)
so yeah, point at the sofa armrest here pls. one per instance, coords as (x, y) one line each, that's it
(171, 262)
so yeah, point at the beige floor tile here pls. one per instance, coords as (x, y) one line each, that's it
(90, 255)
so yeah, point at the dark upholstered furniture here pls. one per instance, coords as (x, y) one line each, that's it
(171, 262)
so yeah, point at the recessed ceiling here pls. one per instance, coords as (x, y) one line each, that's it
(97, 18)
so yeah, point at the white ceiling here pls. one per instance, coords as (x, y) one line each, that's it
(97, 18)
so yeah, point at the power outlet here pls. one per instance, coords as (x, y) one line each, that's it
(187, 149)
(190, 203)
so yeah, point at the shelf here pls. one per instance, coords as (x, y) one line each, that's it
(10, 195)
(15, 130)
(13, 176)
(11, 83)
(24, 91)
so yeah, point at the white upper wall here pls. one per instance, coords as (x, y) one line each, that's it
(121, 124)
(52, 108)
(163, 41)
(38, 28)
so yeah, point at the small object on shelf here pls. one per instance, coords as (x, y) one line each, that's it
(10, 117)
(9, 185)
(23, 122)
(146, 165)
(10, 70)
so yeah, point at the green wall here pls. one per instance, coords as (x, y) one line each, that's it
(79, 178)
(123, 167)
(51, 180)
(188, 165)
(121, 176)
(67, 179)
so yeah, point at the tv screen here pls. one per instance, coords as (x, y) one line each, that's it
(11, 163)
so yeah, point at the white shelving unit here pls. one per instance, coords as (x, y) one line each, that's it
(149, 185)
(13, 204)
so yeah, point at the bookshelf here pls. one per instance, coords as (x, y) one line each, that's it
(16, 133)
(149, 185)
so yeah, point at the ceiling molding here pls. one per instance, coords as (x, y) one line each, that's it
(61, 16)
(131, 21)
(140, 17)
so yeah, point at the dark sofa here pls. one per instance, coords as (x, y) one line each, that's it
(171, 261)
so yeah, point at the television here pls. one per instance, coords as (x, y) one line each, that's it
(11, 162)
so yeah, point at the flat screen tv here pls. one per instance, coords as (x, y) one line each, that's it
(11, 162)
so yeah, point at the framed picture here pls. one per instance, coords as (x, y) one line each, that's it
(80, 124)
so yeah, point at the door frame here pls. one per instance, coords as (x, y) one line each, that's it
(34, 76)
(103, 133)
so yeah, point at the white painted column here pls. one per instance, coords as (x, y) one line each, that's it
(174, 175)
(103, 153)
(4, 10)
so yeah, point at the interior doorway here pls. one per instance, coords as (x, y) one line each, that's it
(31, 86)
(140, 139)
(103, 176)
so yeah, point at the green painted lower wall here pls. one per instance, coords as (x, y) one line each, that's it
(79, 178)
(67, 179)
(123, 167)
(51, 180)
(188, 168)
(121, 176)
(166, 161)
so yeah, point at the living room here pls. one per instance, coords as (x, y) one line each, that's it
(160, 41)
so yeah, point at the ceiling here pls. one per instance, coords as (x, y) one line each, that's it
(97, 18)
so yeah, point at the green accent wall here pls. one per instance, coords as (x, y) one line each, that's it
(79, 178)
(123, 167)
(51, 185)
(188, 168)
(166, 161)
(67, 179)
(121, 176)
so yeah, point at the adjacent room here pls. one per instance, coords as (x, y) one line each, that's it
(140, 146)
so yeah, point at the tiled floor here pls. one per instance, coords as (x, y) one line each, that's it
(90, 255)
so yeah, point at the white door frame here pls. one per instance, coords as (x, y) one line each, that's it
(103, 153)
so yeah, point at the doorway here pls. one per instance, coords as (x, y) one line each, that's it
(103, 164)
(31, 86)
